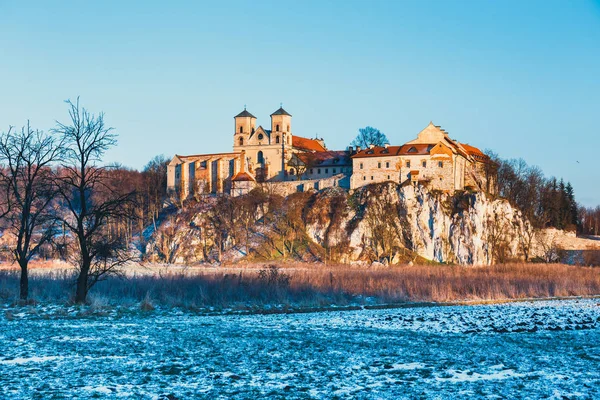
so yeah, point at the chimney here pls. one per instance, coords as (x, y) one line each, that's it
(358, 149)
(371, 146)
(386, 145)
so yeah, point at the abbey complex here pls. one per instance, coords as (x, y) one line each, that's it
(289, 163)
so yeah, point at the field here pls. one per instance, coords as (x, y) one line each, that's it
(297, 286)
(543, 349)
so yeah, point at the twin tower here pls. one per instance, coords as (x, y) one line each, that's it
(265, 149)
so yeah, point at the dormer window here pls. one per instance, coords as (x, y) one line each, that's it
(276, 128)
(241, 129)
(412, 150)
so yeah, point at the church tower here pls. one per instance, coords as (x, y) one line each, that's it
(244, 127)
(281, 127)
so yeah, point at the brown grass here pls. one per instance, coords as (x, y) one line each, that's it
(455, 283)
(300, 285)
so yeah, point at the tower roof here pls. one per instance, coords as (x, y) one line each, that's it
(244, 114)
(281, 111)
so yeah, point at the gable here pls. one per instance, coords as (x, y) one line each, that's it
(440, 151)
(431, 134)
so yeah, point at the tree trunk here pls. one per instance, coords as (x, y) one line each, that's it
(24, 283)
(82, 284)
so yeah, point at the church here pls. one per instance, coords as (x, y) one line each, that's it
(273, 155)
(290, 163)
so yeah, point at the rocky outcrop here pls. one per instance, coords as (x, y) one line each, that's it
(385, 222)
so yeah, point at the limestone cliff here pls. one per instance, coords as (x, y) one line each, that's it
(383, 222)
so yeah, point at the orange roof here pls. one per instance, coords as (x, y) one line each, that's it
(414, 172)
(243, 177)
(307, 144)
(477, 154)
(415, 149)
(378, 151)
(474, 151)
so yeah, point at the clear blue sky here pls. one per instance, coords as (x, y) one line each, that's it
(519, 77)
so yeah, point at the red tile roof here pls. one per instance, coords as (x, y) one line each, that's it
(378, 151)
(474, 151)
(305, 144)
(243, 177)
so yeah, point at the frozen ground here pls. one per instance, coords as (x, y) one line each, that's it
(520, 350)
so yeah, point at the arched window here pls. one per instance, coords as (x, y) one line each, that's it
(277, 139)
(288, 128)
(276, 128)
(241, 141)
(241, 129)
(260, 158)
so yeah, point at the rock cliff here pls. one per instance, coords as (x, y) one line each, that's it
(383, 222)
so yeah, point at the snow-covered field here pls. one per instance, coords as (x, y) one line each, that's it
(548, 349)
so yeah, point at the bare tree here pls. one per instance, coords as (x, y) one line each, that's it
(26, 182)
(88, 198)
(369, 136)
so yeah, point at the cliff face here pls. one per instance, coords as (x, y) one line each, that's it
(382, 222)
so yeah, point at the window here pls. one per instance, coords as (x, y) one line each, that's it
(440, 164)
(388, 177)
(260, 158)
(288, 140)
(364, 178)
(276, 128)
(252, 130)
(292, 172)
(241, 141)
(326, 170)
(371, 177)
(260, 136)
(412, 150)
(334, 170)
(203, 164)
(408, 164)
(319, 171)
(277, 139)
(288, 128)
(311, 171)
(241, 129)
(361, 165)
(424, 163)
(387, 164)
(378, 165)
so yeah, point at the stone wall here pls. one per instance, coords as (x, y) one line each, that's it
(375, 170)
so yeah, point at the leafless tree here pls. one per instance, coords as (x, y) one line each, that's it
(88, 198)
(26, 181)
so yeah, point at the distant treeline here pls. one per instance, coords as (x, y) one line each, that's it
(546, 202)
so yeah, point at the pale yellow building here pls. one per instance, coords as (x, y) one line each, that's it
(263, 155)
(432, 159)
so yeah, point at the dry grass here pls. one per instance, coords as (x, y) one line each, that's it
(305, 285)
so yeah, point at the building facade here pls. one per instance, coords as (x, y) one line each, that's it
(432, 159)
(278, 156)
(259, 155)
